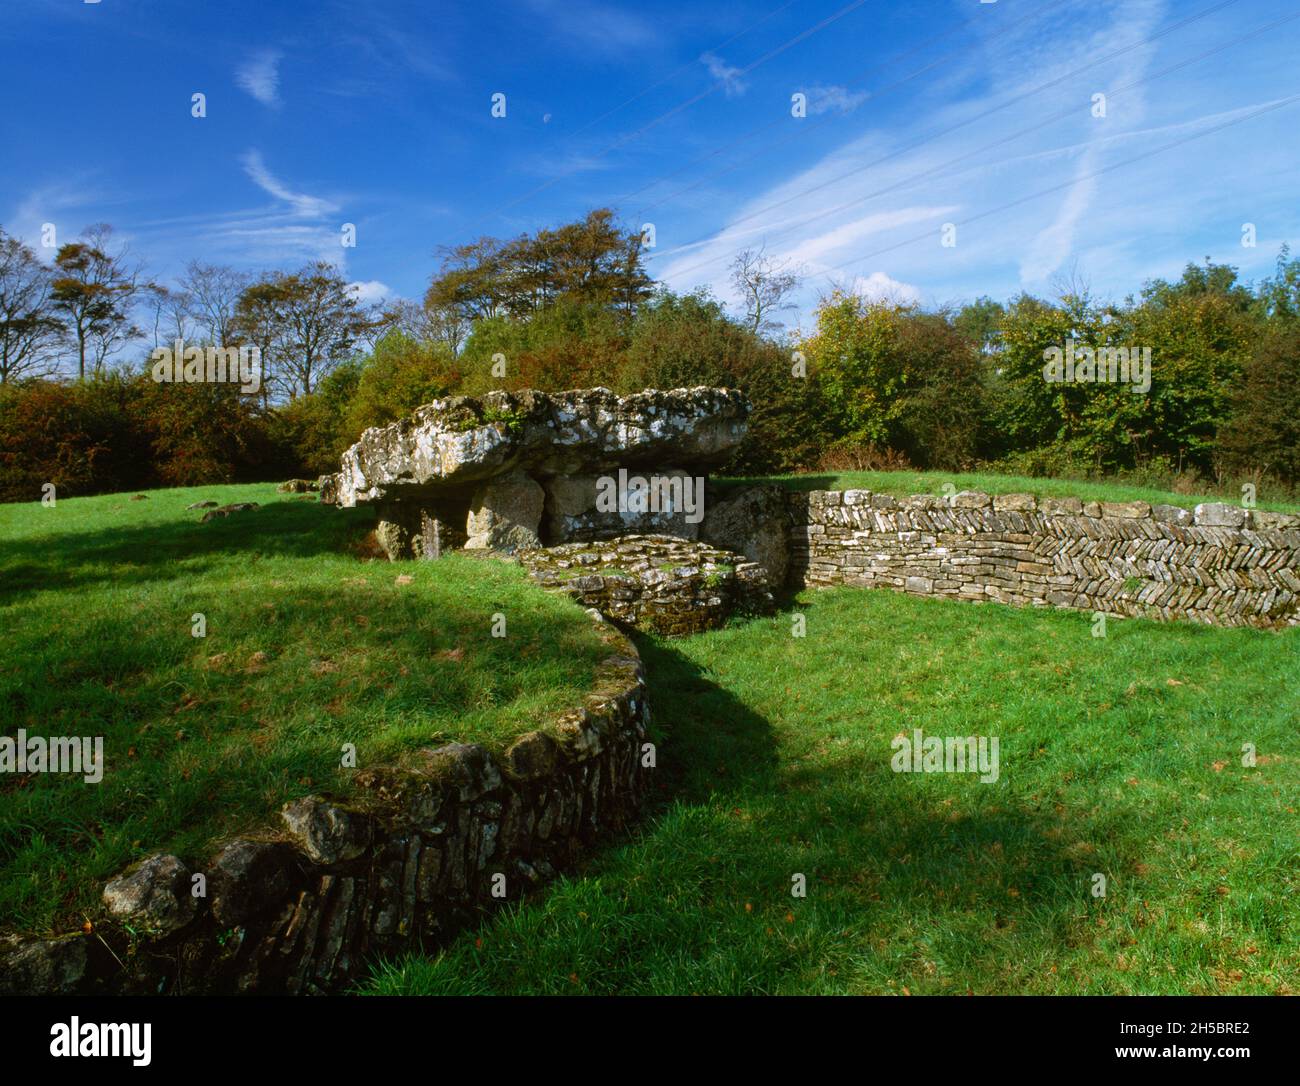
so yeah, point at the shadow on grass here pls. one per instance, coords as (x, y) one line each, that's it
(151, 552)
(710, 738)
(877, 842)
(935, 882)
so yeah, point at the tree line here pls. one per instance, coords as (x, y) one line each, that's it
(871, 383)
(79, 314)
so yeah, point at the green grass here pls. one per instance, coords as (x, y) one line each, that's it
(904, 483)
(309, 645)
(573, 573)
(1120, 756)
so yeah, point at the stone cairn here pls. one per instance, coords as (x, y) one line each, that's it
(531, 474)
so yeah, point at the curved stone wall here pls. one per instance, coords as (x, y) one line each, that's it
(414, 855)
(1220, 564)
(661, 583)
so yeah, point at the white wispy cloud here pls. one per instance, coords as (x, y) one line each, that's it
(834, 99)
(841, 239)
(1029, 198)
(260, 76)
(257, 240)
(726, 74)
(596, 27)
(300, 203)
(1052, 246)
(298, 227)
(1049, 250)
(56, 204)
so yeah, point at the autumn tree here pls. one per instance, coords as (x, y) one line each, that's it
(94, 290)
(441, 326)
(589, 262)
(29, 329)
(303, 323)
(213, 291)
(1262, 437)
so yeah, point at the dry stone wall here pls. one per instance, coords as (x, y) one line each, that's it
(654, 582)
(1219, 564)
(415, 854)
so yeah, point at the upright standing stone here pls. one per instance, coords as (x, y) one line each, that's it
(505, 514)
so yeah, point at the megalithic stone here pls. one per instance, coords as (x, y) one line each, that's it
(453, 446)
(432, 532)
(485, 471)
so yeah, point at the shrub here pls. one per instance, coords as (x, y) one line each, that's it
(126, 432)
(401, 374)
(310, 433)
(892, 377)
(83, 438)
(202, 433)
(568, 344)
(679, 341)
(1263, 435)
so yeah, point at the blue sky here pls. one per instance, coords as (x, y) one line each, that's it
(676, 114)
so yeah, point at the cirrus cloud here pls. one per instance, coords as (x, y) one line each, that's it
(260, 76)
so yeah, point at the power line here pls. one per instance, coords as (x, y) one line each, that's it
(684, 68)
(962, 124)
(1071, 111)
(803, 129)
(781, 120)
(802, 36)
(1279, 104)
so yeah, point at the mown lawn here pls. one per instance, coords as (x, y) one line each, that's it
(1119, 757)
(904, 483)
(309, 645)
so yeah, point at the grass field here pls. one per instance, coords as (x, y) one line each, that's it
(1119, 756)
(904, 483)
(308, 647)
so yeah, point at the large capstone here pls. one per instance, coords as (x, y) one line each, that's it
(511, 470)
(463, 440)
